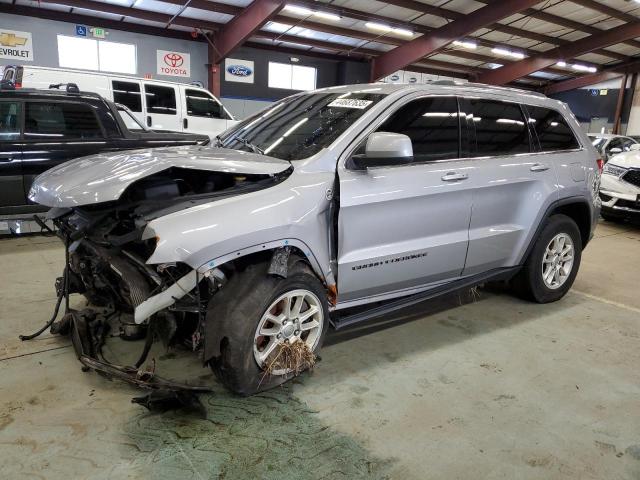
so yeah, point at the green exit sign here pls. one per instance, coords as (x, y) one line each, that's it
(98, 32)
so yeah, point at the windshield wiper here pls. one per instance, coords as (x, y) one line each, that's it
(246, 143)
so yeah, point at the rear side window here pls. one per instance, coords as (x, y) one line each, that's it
(9, 120)
(54, 120)
(431, 124)
(202, 104)
(161, 100)
(500, 128)
(127, 94)
(552, 129)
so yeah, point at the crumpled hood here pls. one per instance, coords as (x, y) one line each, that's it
(626, 159)
(103, 178)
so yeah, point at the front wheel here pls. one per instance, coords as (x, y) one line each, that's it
(272, 328)
(553, 263)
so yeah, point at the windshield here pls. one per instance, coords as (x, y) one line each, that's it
(598, 142)
(131, 122)
(299, 127)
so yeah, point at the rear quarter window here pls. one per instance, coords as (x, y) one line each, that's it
(552, 129)
(60, 120)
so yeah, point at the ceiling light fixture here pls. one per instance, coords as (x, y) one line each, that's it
(507, 53)
(466, 44)
(307, 12)
(299, 10)
(381, 27)
(584, 68)
(327, 16)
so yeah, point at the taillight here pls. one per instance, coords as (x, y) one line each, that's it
(18, 85)
(600, 165)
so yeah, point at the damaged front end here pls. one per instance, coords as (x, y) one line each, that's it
(107, 250)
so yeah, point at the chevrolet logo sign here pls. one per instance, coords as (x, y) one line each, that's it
(11, 40)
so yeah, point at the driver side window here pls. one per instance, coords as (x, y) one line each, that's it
(432, 124)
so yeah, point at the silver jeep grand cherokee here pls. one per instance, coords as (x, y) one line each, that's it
(369, 196)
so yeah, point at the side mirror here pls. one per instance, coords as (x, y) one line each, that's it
(635, 147)
(385, 149)
(615, 151)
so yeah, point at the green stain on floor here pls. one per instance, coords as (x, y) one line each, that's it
(268, 436)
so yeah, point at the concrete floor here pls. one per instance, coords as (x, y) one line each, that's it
(492, 388)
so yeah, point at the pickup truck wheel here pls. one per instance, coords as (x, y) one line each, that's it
(552, 265)
(273, 329)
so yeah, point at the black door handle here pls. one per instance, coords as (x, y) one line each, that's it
(185, 123)
(149, 120)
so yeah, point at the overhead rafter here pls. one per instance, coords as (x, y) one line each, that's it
(519, 32)
(586, 80)
(610, 11)
(524, 67)
(233, 10)
(420, 47)
(567, 23)
(245, 24)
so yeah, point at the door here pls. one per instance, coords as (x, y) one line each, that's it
(203, 113)
(55, 132)
(11, 192)
(129, 94)
(405, 227)
(162, 107)
(511, 188)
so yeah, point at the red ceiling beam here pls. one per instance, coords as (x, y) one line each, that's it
(572, 24)
(420, 47)
(245, 24)
(524, 67)
(612, 12)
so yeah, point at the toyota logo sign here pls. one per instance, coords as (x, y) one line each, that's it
(173, 60)
(175, 64)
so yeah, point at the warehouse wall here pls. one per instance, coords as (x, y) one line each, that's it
(45, 46)
(587, 106)
(243, 99)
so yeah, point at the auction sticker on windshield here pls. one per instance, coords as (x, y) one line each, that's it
(350, 103)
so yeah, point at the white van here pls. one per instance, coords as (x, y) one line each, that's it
(158, 104)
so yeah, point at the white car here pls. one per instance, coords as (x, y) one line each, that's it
(620, 186)
(609, 144)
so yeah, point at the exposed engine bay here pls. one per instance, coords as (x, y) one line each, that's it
(106, 262)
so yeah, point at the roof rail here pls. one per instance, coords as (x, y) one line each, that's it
(70, 87)
(453, 83)
(505, 89)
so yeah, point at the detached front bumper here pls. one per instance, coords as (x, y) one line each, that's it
(619, 197)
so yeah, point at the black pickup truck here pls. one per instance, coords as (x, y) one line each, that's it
(42, 128)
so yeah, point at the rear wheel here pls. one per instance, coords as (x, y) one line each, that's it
(271, 331)
(553, 263)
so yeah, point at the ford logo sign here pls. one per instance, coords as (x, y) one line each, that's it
(239, 70)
